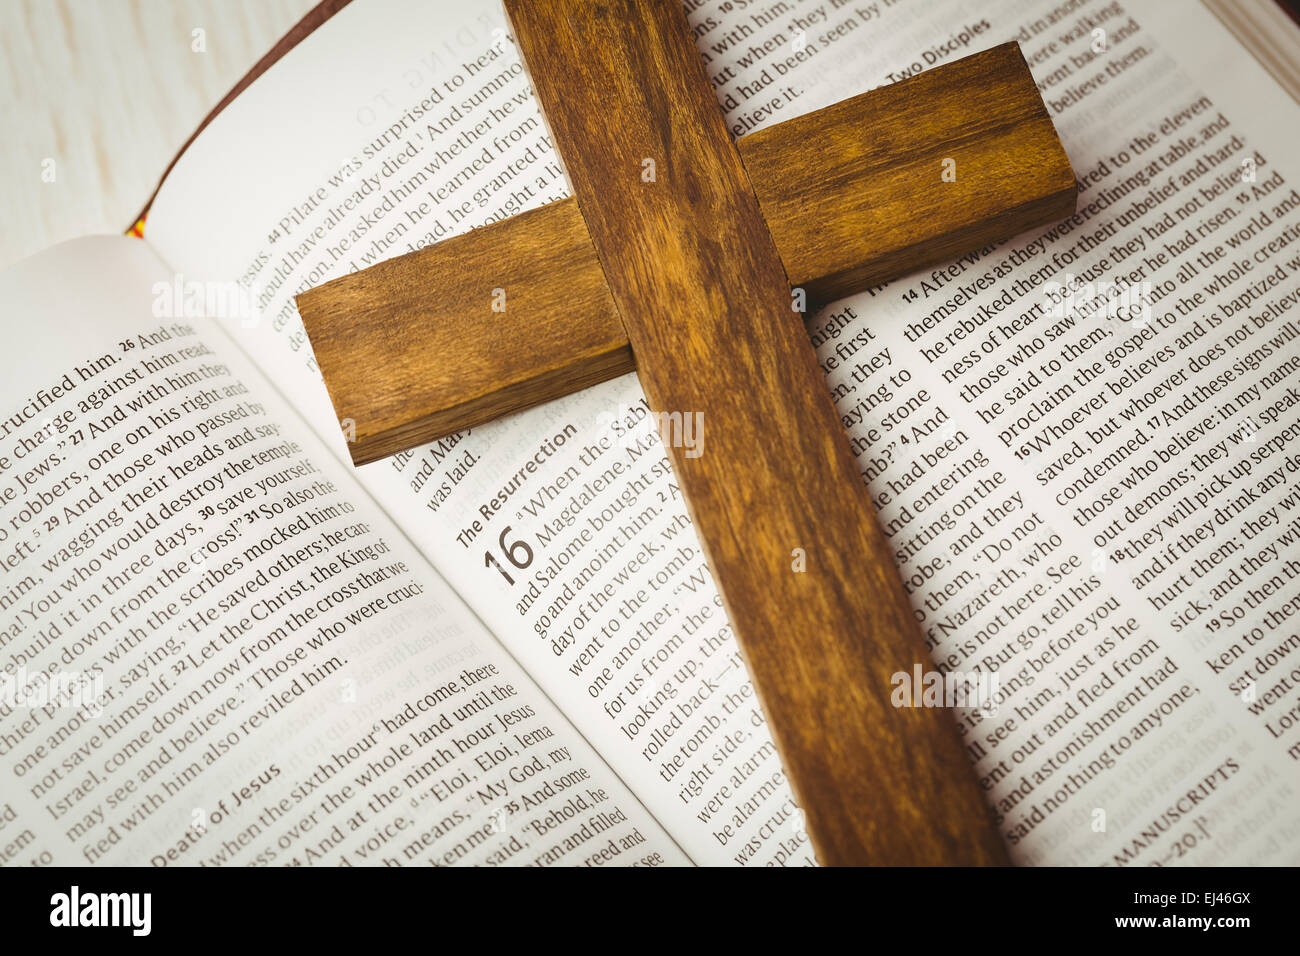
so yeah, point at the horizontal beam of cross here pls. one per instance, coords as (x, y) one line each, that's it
(412, 349)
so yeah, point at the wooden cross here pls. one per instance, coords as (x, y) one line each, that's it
(687, 278)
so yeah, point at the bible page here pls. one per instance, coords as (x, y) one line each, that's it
(214, 648)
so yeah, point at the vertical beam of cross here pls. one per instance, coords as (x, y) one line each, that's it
(706, 305)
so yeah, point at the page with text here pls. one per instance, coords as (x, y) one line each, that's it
(214, 647)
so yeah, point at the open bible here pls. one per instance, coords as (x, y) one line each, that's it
(221, 644)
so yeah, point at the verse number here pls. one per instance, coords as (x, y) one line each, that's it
(517, 553)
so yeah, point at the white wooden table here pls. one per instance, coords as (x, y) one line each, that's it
(109, 90)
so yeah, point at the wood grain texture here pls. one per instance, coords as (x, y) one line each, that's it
(853, 193)
(852, 197)
(412, 349)
(703, 296)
